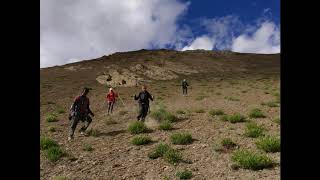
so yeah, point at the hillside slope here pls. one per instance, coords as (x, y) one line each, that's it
(232, 82)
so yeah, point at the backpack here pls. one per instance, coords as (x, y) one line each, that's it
(184, 84)
(144, 97)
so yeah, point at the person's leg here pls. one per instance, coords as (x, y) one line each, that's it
(144, 112)
(87, 122)
(186, 91)
(140, 111)
(73, 124)
(112, 103)
(109, 107)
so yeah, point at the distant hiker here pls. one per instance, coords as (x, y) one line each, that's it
(80, 111)
(143, 100)
(111, 99)
(184, 87)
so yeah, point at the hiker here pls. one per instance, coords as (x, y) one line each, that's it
(185, 87)
(80, 111)
(111, 99)
(143, 100)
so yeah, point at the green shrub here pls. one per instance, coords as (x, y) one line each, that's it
(46, 143)
(231, 98)
(235, 118)
(185, 174)
(158, 151)
(137, 127)
(253, 130)
(60, 110)
(51, 129)
(249, 160)
(180, 112)
(94, 132)
(87, 147)
(141, 140)
(270, 104)
(216, 112)
(172, 156)
(199, 111)
(269, 144)
(256, 113)
(51, 118)
(165, 125)
(110, 121)
(228, 143)
(162, 114)
(277, 120)
(181, 138)
(54, 153)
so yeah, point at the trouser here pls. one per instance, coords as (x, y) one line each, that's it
(75, 120)
(110, 107)
(184, 90)
(143, 111)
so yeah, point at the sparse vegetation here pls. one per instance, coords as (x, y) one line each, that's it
(93, 132)
(199, 110)
(51, 129)
(159, 151)
(277, 120)
(269, 144)
(199, 98)
(46, 143)
(216, 112)
(253, 130)
(185, 174)
(87, 147)
(165, 125)
(228, 143)
(235, 118)
(231, 98)
(54, 153)
(162, 114)
(181, 138)
(141, 140)
(256, 113)
(250, 160)
(60, 110)
(180, 112)
(172, 156)
(110, 121)
(122, 113)
(271, 104)
(218, 93)
(137, 127)
(51, 118)
(50, 102)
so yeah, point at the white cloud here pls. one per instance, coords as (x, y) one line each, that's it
(202, 42)
(264, 40)
(229, 33)
(85, 29)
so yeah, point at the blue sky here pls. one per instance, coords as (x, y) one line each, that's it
(78, 30)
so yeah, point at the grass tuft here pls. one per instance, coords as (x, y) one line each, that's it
(269, 144)
(250, 160)
(181, 138)
(141, 140)
(137, 127)
(185, 174)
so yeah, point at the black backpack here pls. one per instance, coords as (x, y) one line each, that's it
(184, 84)
(144, 98)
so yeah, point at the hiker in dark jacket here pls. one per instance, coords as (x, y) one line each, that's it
(184, 87)
(143, 100)
(80, 111)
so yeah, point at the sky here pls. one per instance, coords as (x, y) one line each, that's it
(72, 31)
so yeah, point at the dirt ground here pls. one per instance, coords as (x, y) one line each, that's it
(252, 79)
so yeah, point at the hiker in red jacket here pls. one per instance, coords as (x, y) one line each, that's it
(111, 99)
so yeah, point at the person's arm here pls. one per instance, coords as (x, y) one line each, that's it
(75, 102)
(136, 97)
(89, 110)
(150, 96)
